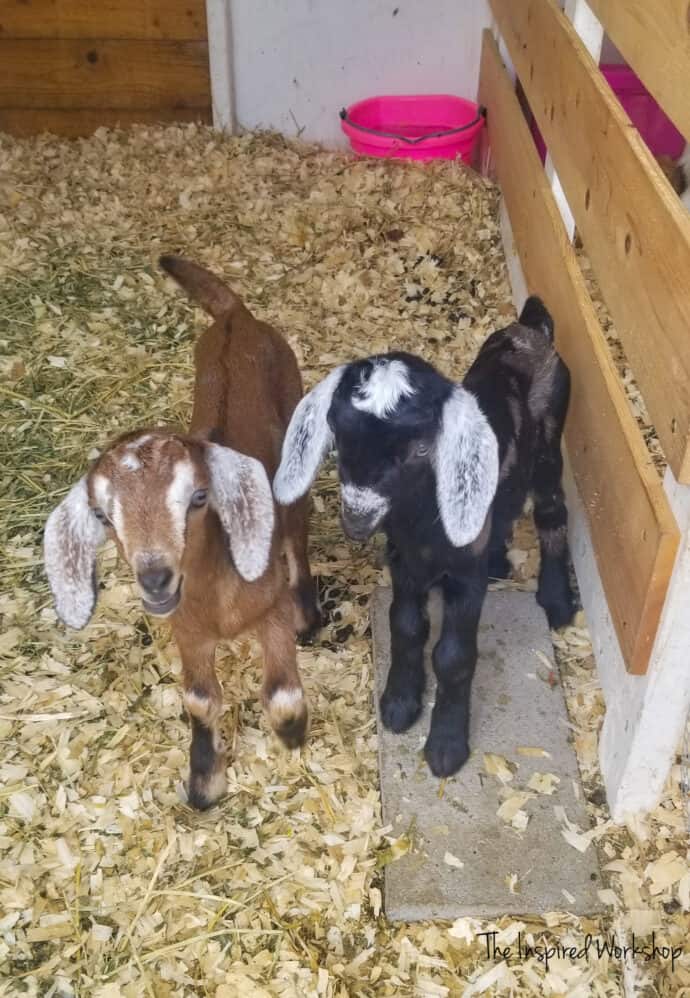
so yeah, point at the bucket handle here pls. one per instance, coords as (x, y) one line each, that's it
(481, 113)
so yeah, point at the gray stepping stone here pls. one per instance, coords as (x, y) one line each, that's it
(513, 706)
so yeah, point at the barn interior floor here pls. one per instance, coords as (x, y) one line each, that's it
(109, 884)
(489, 841)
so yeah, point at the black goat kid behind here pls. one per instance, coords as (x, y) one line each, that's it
(444, 470)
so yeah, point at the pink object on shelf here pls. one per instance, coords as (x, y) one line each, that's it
(657, 130)
(414, 127)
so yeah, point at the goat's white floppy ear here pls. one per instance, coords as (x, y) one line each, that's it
(307, 441)
(466, 462)
(71, 539)
(241, 496)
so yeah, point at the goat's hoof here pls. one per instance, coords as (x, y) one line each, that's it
(205, 789)
(292, 730)
(559, 611)
(293, 733)
(445, 755)
(399, 711)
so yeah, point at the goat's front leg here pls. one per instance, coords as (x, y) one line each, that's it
(554, 593)
(283, 696)
(203, 699)
(401, 702)
(307, 613)
(454, 659)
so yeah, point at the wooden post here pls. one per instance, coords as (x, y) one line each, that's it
(220, 59)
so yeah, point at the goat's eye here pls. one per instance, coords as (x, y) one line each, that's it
(100, 515)
(199, 498)
(422, 450)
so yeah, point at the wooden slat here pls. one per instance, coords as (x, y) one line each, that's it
(73, 124)
(654, 38)
(634, 228)
(181, 20)
(126, 75)
(634, 533)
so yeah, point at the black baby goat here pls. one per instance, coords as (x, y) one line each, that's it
(444, 470)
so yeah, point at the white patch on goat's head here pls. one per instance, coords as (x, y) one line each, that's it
(380, 392)
(130, 461)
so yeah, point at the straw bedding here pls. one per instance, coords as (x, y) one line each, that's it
(109, 884)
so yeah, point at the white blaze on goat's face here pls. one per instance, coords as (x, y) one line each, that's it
(177, 498)
(381, 392)
(162, 546)
(102, 492)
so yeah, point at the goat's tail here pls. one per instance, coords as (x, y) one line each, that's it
(201, 285)
(536, 315)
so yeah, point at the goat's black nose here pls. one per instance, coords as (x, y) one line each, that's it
(155, 580)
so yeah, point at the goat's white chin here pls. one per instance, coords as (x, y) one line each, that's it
(165, 607)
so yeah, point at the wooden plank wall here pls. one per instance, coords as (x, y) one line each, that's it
(634, 533)
(634, 228)
(70, 66)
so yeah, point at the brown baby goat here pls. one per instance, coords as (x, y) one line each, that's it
(193, 516)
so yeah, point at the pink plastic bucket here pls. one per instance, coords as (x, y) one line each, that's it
(414, 127)
(660, 134)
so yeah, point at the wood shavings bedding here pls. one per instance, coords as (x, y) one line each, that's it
(109, 885)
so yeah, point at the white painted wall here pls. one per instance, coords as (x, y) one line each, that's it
(297, 62)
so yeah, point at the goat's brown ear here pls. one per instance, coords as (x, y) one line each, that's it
(71, 539)
(306, 442)
(466, 463)
(241, 496)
